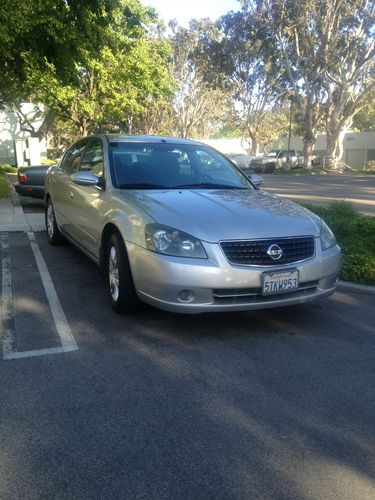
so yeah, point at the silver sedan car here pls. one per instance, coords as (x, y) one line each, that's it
(174, 224)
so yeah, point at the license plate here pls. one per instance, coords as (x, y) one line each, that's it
(279, 282)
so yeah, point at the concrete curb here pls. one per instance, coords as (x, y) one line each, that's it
(34, 221)
(355, 287)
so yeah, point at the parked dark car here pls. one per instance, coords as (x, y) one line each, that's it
(31, 180)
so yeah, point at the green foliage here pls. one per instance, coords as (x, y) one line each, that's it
(7, 167)
(198, 103)
(48, 32)
(92, 63)
(325, 53)
(355, 234)
(122, 82)
(4, 186)
(364, 120)
(241, 65)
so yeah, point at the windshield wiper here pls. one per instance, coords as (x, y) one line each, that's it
(142, 185)
(209, 185)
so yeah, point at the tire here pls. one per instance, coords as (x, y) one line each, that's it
(53, 232)
(119, 277)
(269, 168)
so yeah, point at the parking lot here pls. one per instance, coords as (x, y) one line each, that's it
(322, 189)
(264, 404)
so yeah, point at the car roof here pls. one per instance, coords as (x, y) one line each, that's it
(148, 139)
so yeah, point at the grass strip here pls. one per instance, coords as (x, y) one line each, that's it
(4, 186)
(355, 233)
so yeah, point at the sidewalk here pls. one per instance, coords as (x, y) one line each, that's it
(13, 218)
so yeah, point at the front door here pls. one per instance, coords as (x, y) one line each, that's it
(87, 201)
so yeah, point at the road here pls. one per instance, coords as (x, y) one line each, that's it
(322, 189)
(267, 404)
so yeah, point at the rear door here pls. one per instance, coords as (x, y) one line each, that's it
(62, 194)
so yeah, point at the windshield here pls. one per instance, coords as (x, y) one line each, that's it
(272, 154)
(169, 166)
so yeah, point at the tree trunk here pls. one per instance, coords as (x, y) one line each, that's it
(308, 144)
(83, 130)
(335, 148)
(254, 136)
(129, 121)
(309, 111)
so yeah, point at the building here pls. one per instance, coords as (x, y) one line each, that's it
(17, 146)
(358, 147)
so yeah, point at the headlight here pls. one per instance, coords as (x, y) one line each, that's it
(327, 238)
(169, 241)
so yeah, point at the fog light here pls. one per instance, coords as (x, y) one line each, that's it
(186, 295)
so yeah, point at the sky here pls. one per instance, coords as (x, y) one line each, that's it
(184, 10)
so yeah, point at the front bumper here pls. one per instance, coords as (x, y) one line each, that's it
(217, 285)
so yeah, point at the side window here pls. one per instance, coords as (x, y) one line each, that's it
(73, 157)
(93, 158)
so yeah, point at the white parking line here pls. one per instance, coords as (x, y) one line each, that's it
(67, 339)
(62, 326)
(38, 352)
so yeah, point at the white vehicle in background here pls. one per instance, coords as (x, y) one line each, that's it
(241, 160)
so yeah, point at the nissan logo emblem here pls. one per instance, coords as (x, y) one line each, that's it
(275, 252)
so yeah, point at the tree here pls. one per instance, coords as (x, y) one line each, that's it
(197, 100)
(125, 74)
(325, 50)
(364, 120)
(349, 75)
(242, 69)
(293, 41)
(48, 31)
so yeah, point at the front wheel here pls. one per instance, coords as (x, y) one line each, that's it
(120, 281)
(269, 168)
(53, 232)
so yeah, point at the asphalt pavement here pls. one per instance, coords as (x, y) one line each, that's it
(322, 189)
(267, 404)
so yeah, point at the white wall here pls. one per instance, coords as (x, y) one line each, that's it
(10, 131)
(359, 147)
(225, 146)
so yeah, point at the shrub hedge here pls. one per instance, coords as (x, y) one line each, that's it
(355, 233)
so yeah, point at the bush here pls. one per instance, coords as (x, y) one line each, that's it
(4, 186)
(7, 167)
(355, 233)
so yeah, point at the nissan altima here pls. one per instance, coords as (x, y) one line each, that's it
(173, 223)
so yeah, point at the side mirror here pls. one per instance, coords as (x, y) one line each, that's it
(87, 179)
(256, 179)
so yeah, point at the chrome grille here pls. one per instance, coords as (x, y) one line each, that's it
(254, 252)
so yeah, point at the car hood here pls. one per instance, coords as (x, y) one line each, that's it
(214, 215)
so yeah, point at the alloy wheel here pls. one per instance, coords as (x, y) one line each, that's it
(114, 280)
